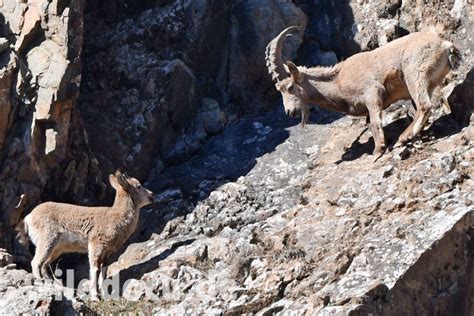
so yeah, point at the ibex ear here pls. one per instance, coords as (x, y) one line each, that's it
(113, 182)
(295, 73)
(278, 86)
(122, 181)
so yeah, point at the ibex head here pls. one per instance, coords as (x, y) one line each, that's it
(139, 194)
(288, 79)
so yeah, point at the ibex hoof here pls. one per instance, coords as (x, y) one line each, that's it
(376, 156)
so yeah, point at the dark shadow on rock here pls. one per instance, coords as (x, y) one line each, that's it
(461, 98)
(447, 125)
(138, 270)
(444, 126)
(329, 32)
(358, 149)
(66, 307)
(224, 158)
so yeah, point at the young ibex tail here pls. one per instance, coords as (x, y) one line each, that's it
(57, 228)
(367, 83)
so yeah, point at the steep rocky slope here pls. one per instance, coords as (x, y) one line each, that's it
(313, 226)
(254, 214)
(316, 226)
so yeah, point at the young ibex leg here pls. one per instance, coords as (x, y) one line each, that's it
(52, 257)
(375, 113)
(94, 264)
(421, 96)
(102, 274)
(43, 251)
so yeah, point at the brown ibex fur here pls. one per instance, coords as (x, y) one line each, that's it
(57, 228)
(367, 83)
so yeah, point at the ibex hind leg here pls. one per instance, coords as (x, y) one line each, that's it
(421, 96)
(43, 251)
(52, 257)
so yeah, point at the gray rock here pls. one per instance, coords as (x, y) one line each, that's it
(20, 294)
(212, 117)
(254, 214)
(402, 153)
(5, 258)
(256, 243)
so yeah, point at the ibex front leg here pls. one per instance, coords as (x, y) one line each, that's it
(94, 264)
(102, 277)
(44, 250)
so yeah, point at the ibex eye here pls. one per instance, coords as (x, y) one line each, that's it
(291, 88)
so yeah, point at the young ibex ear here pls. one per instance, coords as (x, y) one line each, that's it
(278, 85)
(122, 181)
(113, 182)
(295, 73)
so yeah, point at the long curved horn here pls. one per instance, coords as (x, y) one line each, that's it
(273, 55)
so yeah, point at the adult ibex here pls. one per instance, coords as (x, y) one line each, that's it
(367, 83)
(57, 228)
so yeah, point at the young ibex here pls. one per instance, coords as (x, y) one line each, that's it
(57, 228)
(367, 83)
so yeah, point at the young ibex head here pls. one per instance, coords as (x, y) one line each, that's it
(140, 195)
(288, 79)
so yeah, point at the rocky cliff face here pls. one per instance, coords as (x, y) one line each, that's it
(40, 77)
(254, 214)
(178, 72)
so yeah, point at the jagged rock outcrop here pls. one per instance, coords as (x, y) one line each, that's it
(313, 227)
